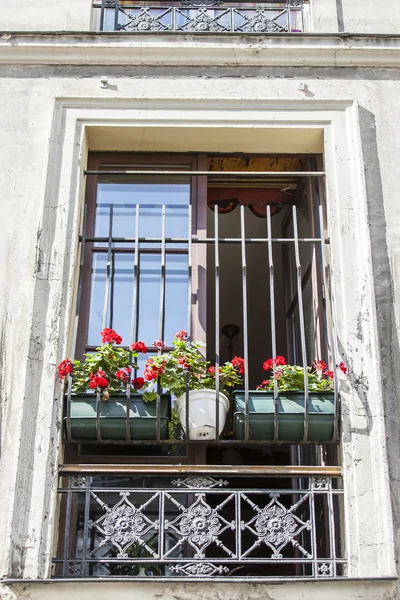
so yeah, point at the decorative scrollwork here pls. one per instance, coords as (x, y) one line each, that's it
(199, 569)
(124, 524)
(200, 525)
(77, 481)
(145, 21)
(320, 483)
(325, 569)
(260, 23)
(200, 482)
(275, 526)
(295, 3)
(204, 20)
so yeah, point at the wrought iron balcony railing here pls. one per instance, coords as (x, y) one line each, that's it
(200, 16)
(201, 526)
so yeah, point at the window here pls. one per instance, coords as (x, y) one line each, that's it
(232, 249)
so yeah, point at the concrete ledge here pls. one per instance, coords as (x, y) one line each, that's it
(174, 49)
(384, 589)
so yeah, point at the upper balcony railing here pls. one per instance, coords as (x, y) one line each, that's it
(202, 16)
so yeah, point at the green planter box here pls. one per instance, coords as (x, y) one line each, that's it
(142, 417)
(290, 416)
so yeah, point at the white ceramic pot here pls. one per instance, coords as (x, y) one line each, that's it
(202, 413)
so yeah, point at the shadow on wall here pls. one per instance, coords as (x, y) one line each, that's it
(387, 337)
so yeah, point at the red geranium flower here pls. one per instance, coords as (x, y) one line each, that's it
(212, 370)
(280, 360)
(263, 384)
(123, 374)
(319, 365)
(342, 367)
(139, 347)
(138, 383)
(152, 371)
(98, 380)
(181, 335)
(182, 361)
(329, 374)
(65, 368)
(159, 344)
(238, 363)
(268, 364)
(108, 336)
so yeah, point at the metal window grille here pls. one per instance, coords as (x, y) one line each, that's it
(201, 16)
(292, 243)
(210, 525)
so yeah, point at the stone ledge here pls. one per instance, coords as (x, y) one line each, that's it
(174, 49)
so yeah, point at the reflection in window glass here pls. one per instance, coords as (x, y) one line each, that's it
(125, 194)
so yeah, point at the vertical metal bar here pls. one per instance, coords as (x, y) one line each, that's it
(98, 428)
(134, 322)
(189, 321)
(86, 527)
(116, 15)
(245, 324)
(189, 312)
(217, 324)
(135, 292)
(331, 521)
(161, 500)
(313, 527)
(289, 28)
(101, 26)
(68, 525)
(238, 521)
(273, 326)
(331, 327)
(112, 289)
(161, 322)
(301, 319)
(108, 268)
(76, 323)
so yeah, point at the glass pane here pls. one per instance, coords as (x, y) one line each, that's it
(150, 194)
(97, 291)
(126, 195)
(149, 297)
(176, 295)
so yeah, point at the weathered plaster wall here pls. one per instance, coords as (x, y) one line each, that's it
(46, 15)
(327, 16)
(32, 303)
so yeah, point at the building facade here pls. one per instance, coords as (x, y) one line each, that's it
(226, 169)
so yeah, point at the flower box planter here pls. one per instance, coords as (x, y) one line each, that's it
(321, 417)
(112, 417)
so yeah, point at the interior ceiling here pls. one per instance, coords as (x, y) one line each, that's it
(251, 139)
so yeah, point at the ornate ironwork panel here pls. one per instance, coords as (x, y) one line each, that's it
(199, 527)
(197, 16)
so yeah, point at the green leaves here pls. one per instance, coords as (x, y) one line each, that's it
(291, 378)
(107, 358)
(184, 366)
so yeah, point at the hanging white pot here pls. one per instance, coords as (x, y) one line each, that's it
(202, 413)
